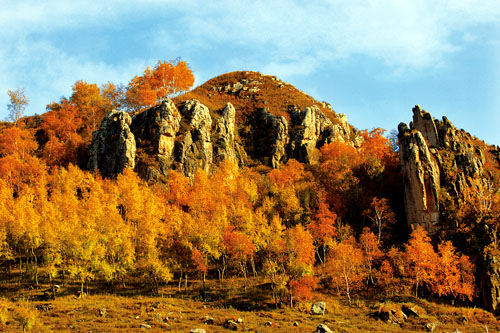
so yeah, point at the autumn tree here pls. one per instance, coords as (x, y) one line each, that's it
(61, 124)
(275, 252)
(91, 105)
(371, 250)
(421, 257)
(166, 79)
(479, 209)
(345, 268)
(454, 273)
(239, 248)
(293, 190)
(335, 172)
(17, 141)
(390, 276)
(143, 211)
(18, 166)
(114, 96)
(376, 150)
(17, 104)
(322, 228)
(300, 250)
(381, 214)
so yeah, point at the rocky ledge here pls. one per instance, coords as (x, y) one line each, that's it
(192, 137)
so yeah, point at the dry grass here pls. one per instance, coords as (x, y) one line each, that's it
(272, 93)
(180, 311)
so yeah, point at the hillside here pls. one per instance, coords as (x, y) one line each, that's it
(249, 91)
(249, 194)
(247, 117)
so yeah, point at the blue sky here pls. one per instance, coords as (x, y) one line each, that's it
(372, 60)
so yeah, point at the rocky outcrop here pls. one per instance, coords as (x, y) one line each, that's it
(437, 160)
(440, 164)
(195, 150)
(155, 130)
(276, 140)
(225, 147)
(271, 138)
(191, 137)
(490, 280)
(113, 145)
(311, 129)
(421, 175)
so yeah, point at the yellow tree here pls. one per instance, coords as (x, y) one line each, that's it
(345, 268)
(5, 210)
(275, 256)
(288, 185)
(83, 252)
(371, 251)
(421, 258)
(91, 105)
(300, 251)
(17, 104)
(454, 273)
(166, 79)
(142, 210)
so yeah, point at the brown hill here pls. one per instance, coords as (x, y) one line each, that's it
(246, 117)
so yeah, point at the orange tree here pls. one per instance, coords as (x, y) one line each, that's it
(166, 79)
(421, 258)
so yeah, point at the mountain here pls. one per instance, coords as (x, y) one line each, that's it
(442, 179)
(246, 117)
(451, 179)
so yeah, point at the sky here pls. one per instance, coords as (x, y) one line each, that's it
(372, 60)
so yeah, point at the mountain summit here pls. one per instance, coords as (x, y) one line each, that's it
(243, 116)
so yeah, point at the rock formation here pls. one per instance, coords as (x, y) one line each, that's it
(490, 280)
(440, 164)
(194, 150)
(271, 138)
(311, 126)
(225, 147)
(193, 137)
(155, 130)
(436, 159)
(421, 175)
(113, 145)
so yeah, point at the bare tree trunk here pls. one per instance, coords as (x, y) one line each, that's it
(243, 269)
(347, 285)
(254, 271)
(35, 267)
(20, 271)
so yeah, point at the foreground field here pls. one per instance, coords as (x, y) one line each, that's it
(183, 311)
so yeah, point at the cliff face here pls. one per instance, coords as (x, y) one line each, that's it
(113, 145)
(440, 164)
(437, 159)
(187, 135)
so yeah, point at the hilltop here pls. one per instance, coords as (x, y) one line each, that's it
(248, 117)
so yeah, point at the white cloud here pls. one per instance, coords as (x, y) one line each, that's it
(279, 37)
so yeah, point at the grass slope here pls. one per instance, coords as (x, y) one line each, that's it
(129, 310)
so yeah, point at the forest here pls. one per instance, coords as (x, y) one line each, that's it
(335, 227)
